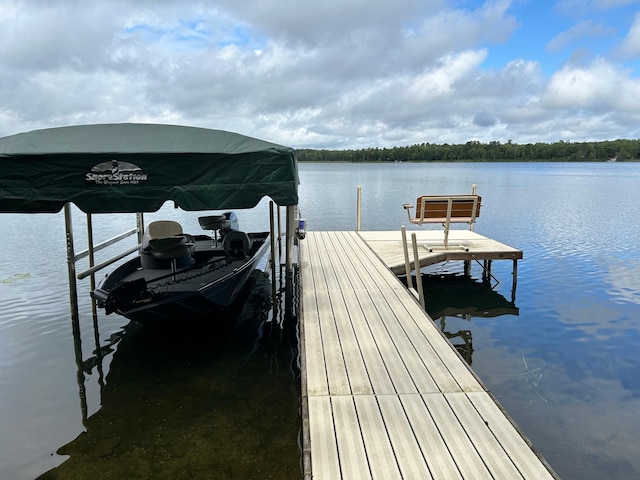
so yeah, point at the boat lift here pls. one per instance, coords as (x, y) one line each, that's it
(293, 229)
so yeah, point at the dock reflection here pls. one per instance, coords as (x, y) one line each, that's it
(192, 400)
(460, 296)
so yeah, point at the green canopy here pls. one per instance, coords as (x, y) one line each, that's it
(137, 167)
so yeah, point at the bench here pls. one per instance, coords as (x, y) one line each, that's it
(445, 209)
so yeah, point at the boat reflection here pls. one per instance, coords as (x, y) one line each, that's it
(191, 401)
(460, 296)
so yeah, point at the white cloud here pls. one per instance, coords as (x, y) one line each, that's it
(598, 87)
(630, 47)
(340, 73)
(585, 29)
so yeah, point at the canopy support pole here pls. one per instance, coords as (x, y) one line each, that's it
(274, 291)
(71, 264)
(75, 316)
(289, 232)
(140, 225)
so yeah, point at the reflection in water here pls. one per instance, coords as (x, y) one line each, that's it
(461, 296)
(187, 400)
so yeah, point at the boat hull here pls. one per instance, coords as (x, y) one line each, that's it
(202, 290)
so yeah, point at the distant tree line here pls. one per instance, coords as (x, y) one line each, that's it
(474, 151)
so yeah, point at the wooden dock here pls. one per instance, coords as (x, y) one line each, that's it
(463, 245)
(385, 395)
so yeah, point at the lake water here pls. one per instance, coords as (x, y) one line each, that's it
(179, 402)
(562, 357)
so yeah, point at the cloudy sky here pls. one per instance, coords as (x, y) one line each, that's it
(328, 73)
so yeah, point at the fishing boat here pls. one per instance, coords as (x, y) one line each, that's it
(136, 168)
(178, 275)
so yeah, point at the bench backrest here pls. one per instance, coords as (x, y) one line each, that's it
(462, 206)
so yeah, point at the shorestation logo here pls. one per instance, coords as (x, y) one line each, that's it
(115, 173)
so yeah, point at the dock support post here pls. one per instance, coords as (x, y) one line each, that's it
(407, 264)
(515, 280)
(416, 265)
(486, 270)
(358, 207)
(473, 192)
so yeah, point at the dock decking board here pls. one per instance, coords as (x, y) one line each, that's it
(388, 246)
(385, 394)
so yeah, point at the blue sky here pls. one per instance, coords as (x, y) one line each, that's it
(328, 74)
(554, 34)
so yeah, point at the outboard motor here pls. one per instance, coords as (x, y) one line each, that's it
(230, 224)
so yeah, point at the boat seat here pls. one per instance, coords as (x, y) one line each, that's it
(215, 223)
(212, 222)
(160, 229)
(164, 245)
(172, 247)
(236, 244)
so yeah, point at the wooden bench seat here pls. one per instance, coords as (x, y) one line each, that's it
(445, 209)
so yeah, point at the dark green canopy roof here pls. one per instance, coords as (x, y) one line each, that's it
(137, 167)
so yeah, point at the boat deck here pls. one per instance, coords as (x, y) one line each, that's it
(385, 395)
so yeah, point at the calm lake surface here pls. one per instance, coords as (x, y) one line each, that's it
(562, 357)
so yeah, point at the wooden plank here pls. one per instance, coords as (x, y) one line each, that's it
(353, 458)
(359, 381)
(438, 457)
(362, 274)
(430, 206)
(515, 445)
(329, 252)
(334, 362)
(431, 347)
(441, 353)
(316, 372)
(492, 452)
(382, 458)
(324, 448)
(324, 263)
(391, 358)
(359, 316)
(420, 374)
(458, 443)
(378, 375)
(313, 261)
(410, 459)
(364, 260)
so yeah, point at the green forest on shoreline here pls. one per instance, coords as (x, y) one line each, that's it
(474, 151)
